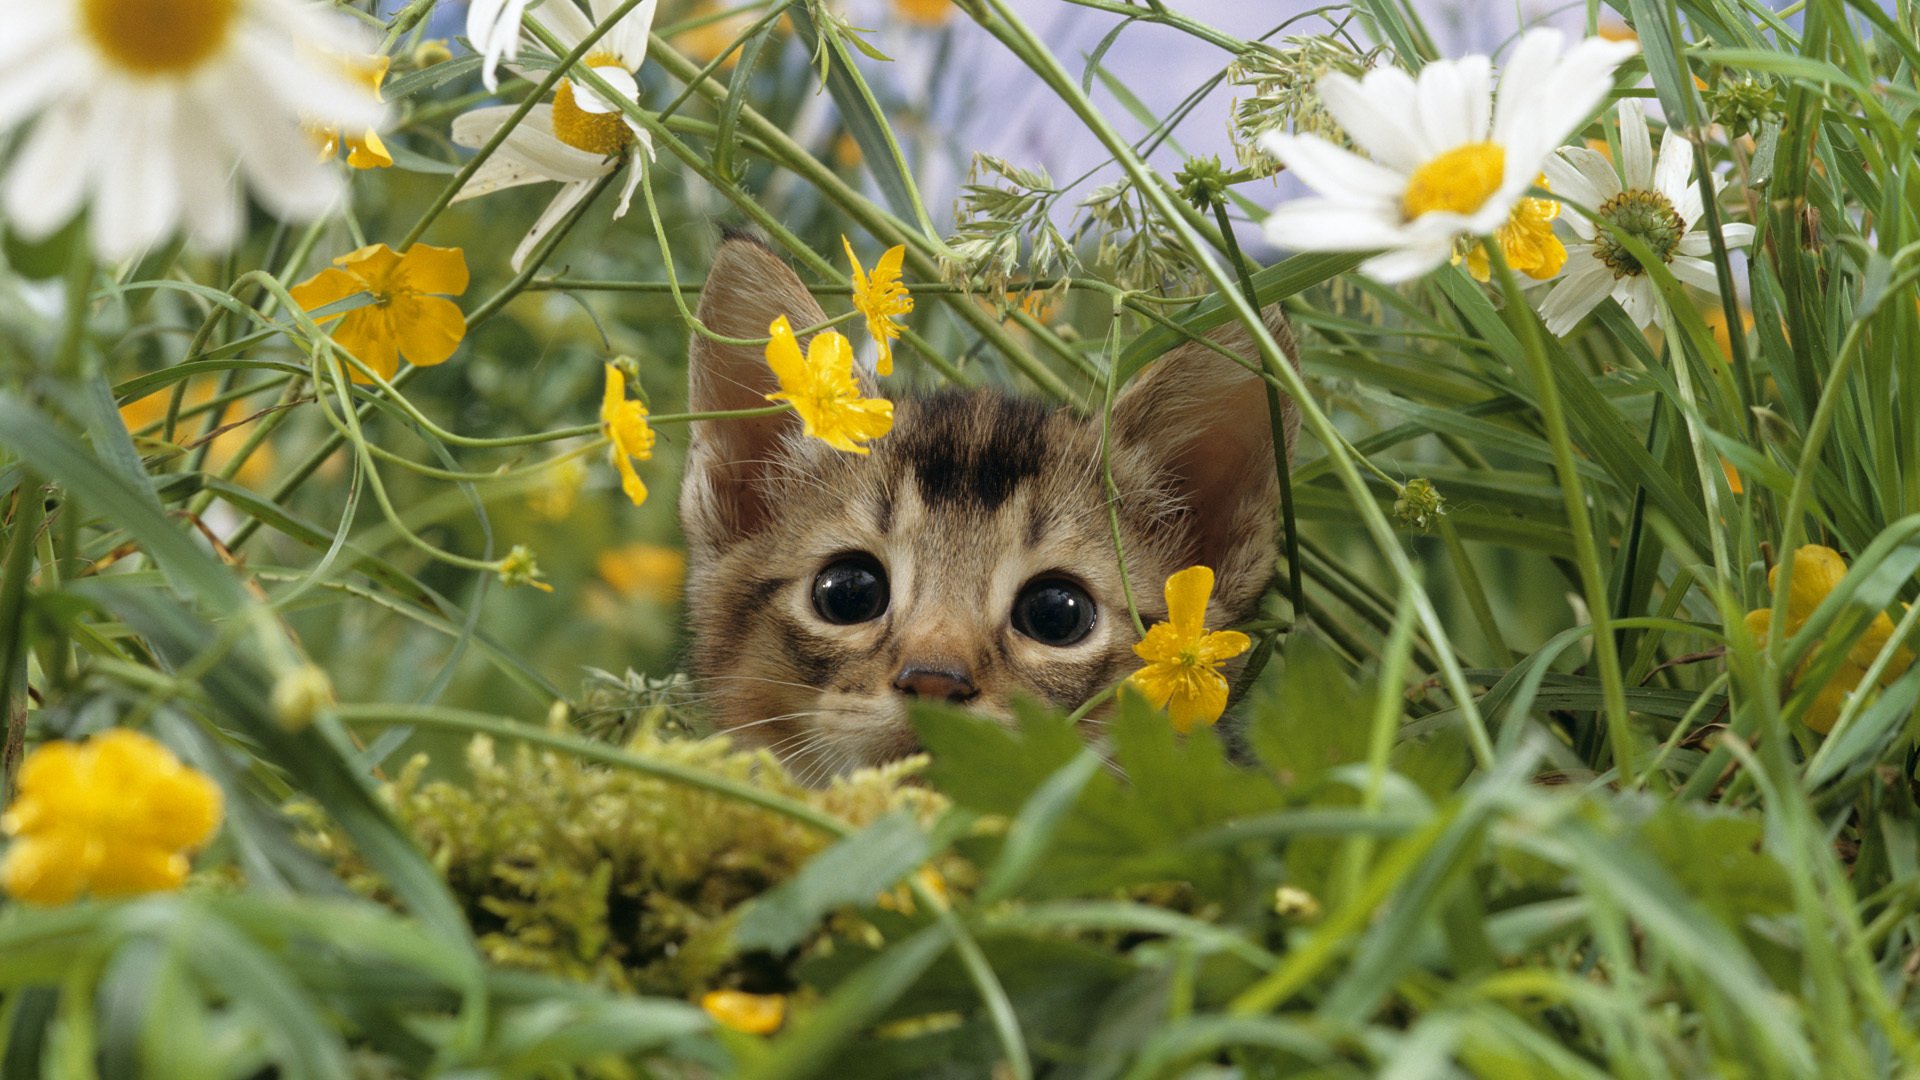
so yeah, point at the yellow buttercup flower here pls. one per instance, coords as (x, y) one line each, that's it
(410, 316)
(625, 424)
(1526, 241)
(646, 571)
(149, 411)
(113, 816)
(365, 150)
(1182, 674)
(924, 12)
(754, 1014)
(881, 298)
(1817, 571)
(822, 389)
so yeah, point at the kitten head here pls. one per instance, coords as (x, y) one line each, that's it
(969, 557)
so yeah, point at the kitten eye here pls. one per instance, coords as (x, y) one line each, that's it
(1053, 611)
(852, 589)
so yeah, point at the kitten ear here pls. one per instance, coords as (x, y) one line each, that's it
(723, 496)
(1201, 420)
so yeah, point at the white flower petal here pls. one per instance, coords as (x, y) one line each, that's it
(38, 77)
(1636, 296)
(1555, 95)
(1380, 115)
(569, 197)
(472, 129)
(1455, 101)
(1407, 263)
(47, 178)
(497, 173)
(1585, 284)
(136, 186)
(279, 161)
(208, 187)
(494, 28)
(634, 167)
(1696, 272)
(1522, 78)
(532, 143)
(628, 38)
(1636, 147)
(568, 23)
(1334, 171)
(1330, 225)
(619, 78)
(1674, 173)
(1568, 179)
(1736, 234)
(32, 30)
(1689, 207)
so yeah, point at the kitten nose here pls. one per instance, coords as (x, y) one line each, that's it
(935, 683)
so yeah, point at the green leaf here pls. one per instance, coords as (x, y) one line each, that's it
(1719, 858)
(851, 873)
(40, 260)
(1310, 719)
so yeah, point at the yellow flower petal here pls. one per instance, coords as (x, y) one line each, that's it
(1187, 593)
(1183, 658)
(329, 286)
(407, 316)
(113, 816)
(438, 270)
(624, 422)
(822, 389)
(368, 334)
(754, 1014)
(368, 151)
(1817, 570)
(428, 329)
(881, 299)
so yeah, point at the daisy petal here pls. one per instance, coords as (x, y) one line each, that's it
(1696, 272)
(1380, 115)
(1636, 148)
(628, 38)
(1454, 101)
(570, 196)
(47, 177)
(1574, 295)
(1328, 225)
(569, 24)
(1636, 295)
(1407, 263)
(1333, 171)
(1674, 173)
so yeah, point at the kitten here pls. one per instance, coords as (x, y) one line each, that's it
(968, 558)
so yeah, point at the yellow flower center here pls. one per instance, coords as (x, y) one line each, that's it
(158, 37)
(1458, 181)
(596, 133)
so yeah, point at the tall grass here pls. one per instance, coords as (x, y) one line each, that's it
(1530, 797)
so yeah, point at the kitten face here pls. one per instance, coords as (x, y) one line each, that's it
(968, 558)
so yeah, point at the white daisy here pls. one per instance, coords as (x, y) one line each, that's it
(1449, 158)
(493, 26)
(578, 138)
(1655, 201)
(149, 108)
